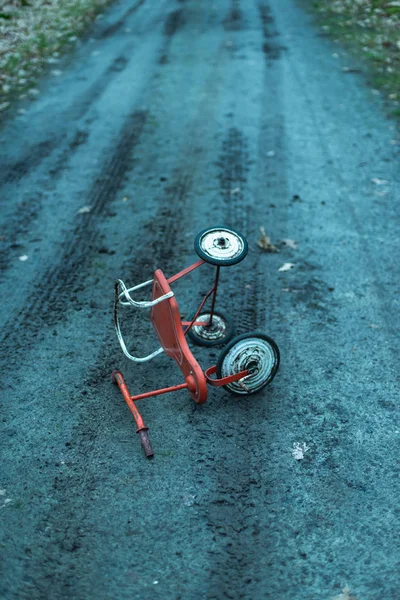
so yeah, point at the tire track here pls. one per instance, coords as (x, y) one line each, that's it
(62, 282)
(234, 513)
(236, 475)
(111, 29)
(36, 154)
(174, 22)
(234, 165)
(162, 235)
(271, 48)
(32, 158)
(234, 21)
(162, 238)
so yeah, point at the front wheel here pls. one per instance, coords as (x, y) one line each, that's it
(219, 332)
(221, 246)
(254, 352)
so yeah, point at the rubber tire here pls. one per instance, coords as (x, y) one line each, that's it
(209, 343)
(238, 338)
(217, 261)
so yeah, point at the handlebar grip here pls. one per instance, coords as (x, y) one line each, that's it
(146, 445)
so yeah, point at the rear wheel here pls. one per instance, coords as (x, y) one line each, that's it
(219, 332)
(255, 352)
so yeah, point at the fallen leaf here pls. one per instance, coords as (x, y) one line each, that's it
(345, 595)
(378, 181)
(299, 450)
(84, 209)
(290, 243)
(265, 242)
(286, 267)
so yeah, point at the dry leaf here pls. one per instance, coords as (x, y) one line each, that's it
(290, 243)
(265, 242)
(84, 209)
(345, 595)
(299, 450)
(286, 267)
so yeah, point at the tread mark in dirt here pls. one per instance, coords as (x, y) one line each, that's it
(271, 49)
(173, 22)
(61, 282)
(118, 64)
(35, 155)
(235, 549)
(69, 537)
(234, 20)
(234, 165)
(111, 29)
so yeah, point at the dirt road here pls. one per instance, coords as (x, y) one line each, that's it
(171, 117)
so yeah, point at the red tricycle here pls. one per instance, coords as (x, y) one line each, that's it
(246, 364)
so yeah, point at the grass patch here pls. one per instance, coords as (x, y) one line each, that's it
(370, 30)
(33, 34)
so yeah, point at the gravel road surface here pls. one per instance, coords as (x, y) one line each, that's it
(171, 117)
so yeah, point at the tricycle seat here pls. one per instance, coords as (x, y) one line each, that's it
(167, 323)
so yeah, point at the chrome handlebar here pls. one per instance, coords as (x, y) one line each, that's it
(138, 304)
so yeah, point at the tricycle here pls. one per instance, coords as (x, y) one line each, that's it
(246, 364)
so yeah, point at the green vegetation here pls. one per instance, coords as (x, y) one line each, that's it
(370, 30)
(33, 33)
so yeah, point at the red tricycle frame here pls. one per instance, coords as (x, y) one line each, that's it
(218, 246)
